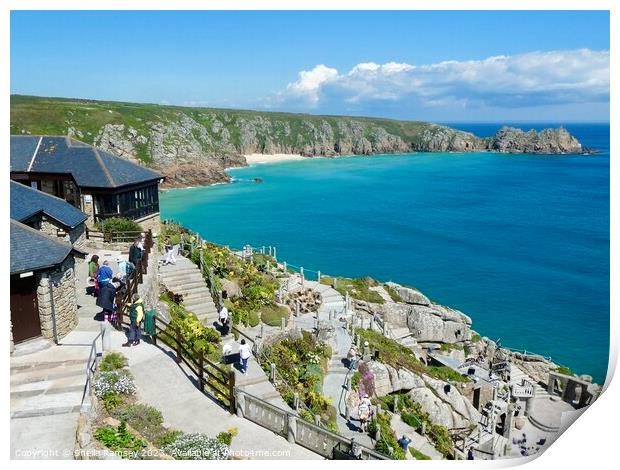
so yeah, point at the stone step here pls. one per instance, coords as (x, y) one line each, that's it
(41, 388)
(183, 280)
(40, 366)
(30, 376)
(45, 401)
(185, 284)
(197, 294)
(59, 410)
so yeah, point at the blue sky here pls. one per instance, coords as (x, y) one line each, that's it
(502, 65)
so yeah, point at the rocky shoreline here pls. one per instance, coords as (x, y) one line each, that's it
(188, 165)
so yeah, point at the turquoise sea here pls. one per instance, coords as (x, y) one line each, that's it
(518, 242)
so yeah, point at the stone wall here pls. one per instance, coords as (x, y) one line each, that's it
(63, 299)
(150, 222)
(50, 227)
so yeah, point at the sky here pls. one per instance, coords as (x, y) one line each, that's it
(442, 66)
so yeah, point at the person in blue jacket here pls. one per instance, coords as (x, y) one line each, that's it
(104, 275)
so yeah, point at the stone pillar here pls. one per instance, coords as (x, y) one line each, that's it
(270, 250)
(318, 275)
(372, 322)
(272, 373)
(291, 428)
(317, 420)
(297, 308)
(282, 323)
(296, 401)
(240, 401)
(275, 253)
(509, 420)
(262, 331)
(285, 268)
(529, 403)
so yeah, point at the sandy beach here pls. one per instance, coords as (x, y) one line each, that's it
(255, 158)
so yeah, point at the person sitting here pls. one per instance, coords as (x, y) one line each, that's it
(104, 275)
(169, 258)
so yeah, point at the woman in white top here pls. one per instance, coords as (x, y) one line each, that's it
(244, 354)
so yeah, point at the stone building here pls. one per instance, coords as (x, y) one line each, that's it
(98, 183)
(47, 214)
(43, 297)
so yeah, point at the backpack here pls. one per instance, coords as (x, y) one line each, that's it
(130, 268)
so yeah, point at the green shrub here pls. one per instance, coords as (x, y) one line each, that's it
(355, 379)
(112, 361)
(475, 338)
(167, 438)
(112, 401)
(119, 438)
(226, 437)
(564, 370)
(253, 318)
(144, 419)
(119, 224)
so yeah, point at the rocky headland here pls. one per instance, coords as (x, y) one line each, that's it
(194, 146)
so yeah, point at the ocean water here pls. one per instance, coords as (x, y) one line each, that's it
(518, 242)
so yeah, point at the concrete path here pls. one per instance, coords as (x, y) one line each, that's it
(185, 278)
(47, 381)
(166, 386)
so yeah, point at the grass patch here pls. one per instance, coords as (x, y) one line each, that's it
(357, 288)
(418, 455)
(564, 370)
(475, 338)
(392, 293)
(112, 361)
(272, 315)
(396, 355)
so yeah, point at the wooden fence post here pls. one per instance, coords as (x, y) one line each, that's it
(231, 391)
(201, 371)
(179, 352)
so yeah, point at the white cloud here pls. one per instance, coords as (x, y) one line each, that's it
(524, 80)
(310, 82)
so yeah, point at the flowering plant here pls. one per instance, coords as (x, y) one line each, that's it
(114, 381)
(197, 446)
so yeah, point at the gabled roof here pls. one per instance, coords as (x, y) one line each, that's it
(27, 202)
(90, 167)
(32, 250)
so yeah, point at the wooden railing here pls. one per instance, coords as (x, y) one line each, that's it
(113, 237)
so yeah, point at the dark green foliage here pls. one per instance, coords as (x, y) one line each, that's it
(112, 361)
(119, 438)
(112, 401)
(119, 224)
(272, 315)
(168, 437)
(387, 444)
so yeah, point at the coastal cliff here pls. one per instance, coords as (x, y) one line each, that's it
(194, 146)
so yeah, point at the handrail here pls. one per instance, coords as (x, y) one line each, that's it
(90, 369)
(336, 437)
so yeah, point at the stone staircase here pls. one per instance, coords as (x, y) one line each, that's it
(539, 417)
(185, 278)
(47, 388)
(404, 336)
(45, 402)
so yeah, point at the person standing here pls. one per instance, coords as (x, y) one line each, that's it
(93, 267)
(106, 298)
(404, 442)
(224, 319)
(135, 253)
(470, 454)
(364, 413)
(104, 275)
(169, 258)
(244, 354)
(136, 315)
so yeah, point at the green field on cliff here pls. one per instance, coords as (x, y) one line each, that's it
(55, 116)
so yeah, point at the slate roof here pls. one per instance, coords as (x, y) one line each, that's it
(90, 167)
(32, 250)
(27, 202)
